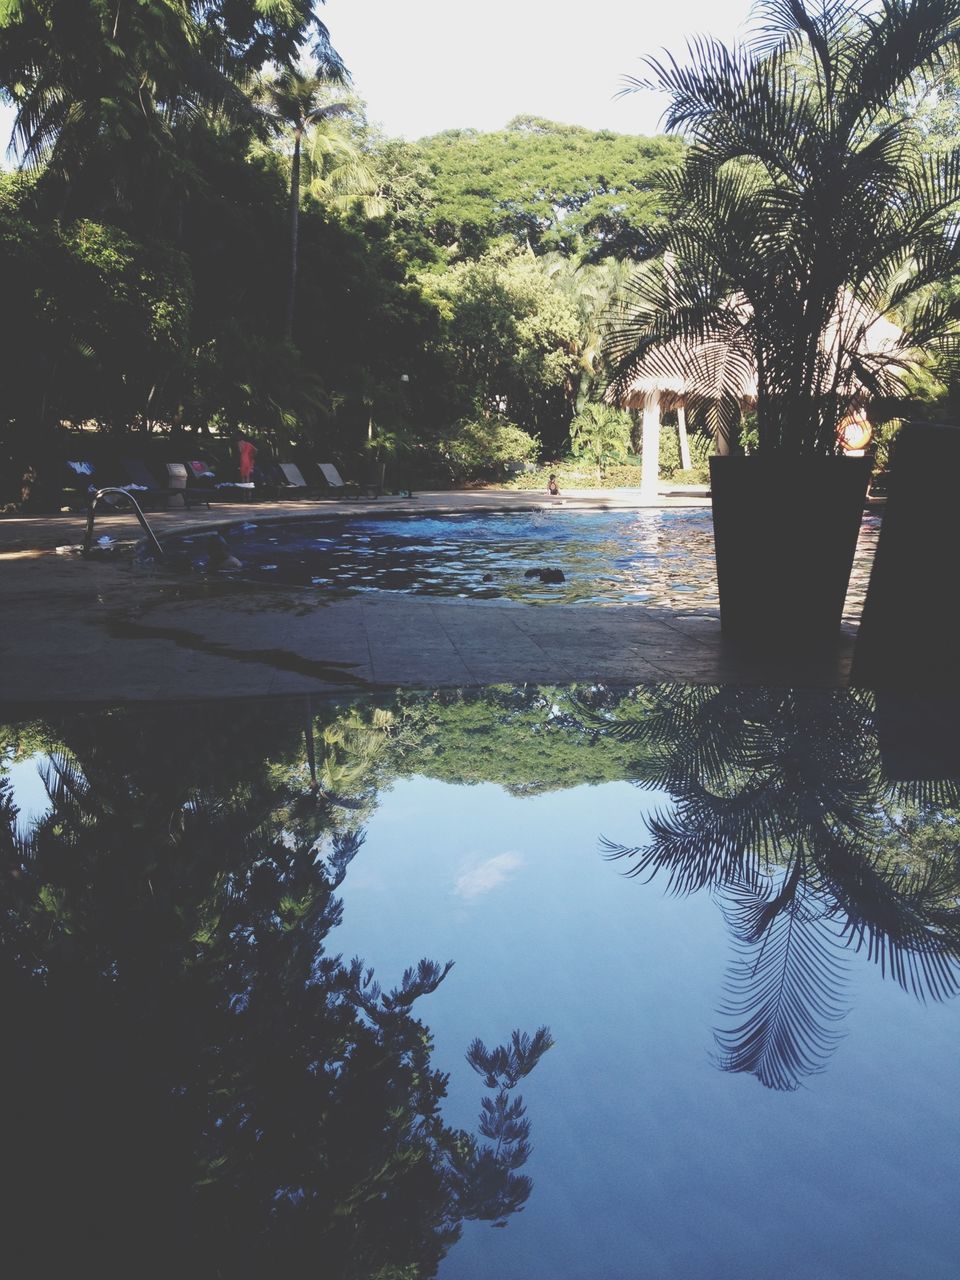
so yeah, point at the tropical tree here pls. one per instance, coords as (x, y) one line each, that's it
(597, 292)
(339, 166)
(296, 102)
(510, 337)
(108, 92)
(601, 434)
(548, 186)
(805, 212)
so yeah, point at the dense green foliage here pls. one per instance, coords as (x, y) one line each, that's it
(527, 740)
(601, 435)
(205, 236)
(547, 186)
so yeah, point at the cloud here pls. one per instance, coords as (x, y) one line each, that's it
(486, 876)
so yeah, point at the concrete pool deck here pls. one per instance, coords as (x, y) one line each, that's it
(95, 631)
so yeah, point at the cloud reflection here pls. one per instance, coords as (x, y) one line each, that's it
(486, 876)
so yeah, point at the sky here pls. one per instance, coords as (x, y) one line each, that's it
(428, 65)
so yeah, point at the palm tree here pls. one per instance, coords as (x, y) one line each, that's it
(101, 91)
(108, 94)
(803, 213)
(596, 290)
(601, 434)
(339, 168)
(296, 102)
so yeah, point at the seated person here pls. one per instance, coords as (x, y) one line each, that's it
(552, 487)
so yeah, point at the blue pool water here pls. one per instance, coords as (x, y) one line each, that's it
(652, 557)
(736, 911)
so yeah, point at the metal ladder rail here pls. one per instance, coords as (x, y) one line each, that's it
(101, 493)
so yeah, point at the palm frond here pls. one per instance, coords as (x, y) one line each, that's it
(907, 923)
(784, 991)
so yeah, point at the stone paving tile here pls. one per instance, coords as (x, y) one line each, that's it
(396, 663)
(608, 669)
(538, 674)
(97, 630)
(286, 683)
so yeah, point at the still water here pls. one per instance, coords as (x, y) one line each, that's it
(700, 1020)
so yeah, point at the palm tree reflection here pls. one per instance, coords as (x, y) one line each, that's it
(195, 1084)
(780, 808)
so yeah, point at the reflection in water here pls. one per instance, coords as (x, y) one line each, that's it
(201, 1087)
(781, 809)
(198, 1083)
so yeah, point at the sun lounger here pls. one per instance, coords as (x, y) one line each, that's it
(225, 490)
(336, 485)
(180, 481)
(80, 483)
(291, 483)
(142, 483)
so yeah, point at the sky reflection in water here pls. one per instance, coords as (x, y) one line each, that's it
(819, 1141)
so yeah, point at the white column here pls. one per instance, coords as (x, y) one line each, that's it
(650, 448)
(684, 442)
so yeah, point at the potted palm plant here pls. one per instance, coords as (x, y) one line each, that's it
(804, 219)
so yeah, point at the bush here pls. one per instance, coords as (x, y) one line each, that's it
(695, 475)
(602, 435)
(577, 475)
(486, 449)
(700, 450)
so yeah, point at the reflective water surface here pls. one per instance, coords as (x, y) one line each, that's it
(659, 982)
(660, 558)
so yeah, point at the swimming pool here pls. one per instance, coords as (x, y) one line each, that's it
(661, 559)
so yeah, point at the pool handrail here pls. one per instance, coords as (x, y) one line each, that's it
(101, 493)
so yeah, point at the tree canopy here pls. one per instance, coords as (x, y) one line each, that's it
(207, 235)
(546, 185)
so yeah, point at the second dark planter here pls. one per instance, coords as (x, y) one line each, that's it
(785, 531)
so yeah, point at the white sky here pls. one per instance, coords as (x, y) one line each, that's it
(427, 65)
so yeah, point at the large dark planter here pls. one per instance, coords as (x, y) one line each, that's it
(908, 634)
(785, 531)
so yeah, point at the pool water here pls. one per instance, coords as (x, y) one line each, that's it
(724, 925)
(662, 559)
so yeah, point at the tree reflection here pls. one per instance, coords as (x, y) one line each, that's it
(780, 807)
(195, 1084)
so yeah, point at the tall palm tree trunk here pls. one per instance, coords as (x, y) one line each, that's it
(294, 234)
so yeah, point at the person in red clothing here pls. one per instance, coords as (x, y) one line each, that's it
(247, 456)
